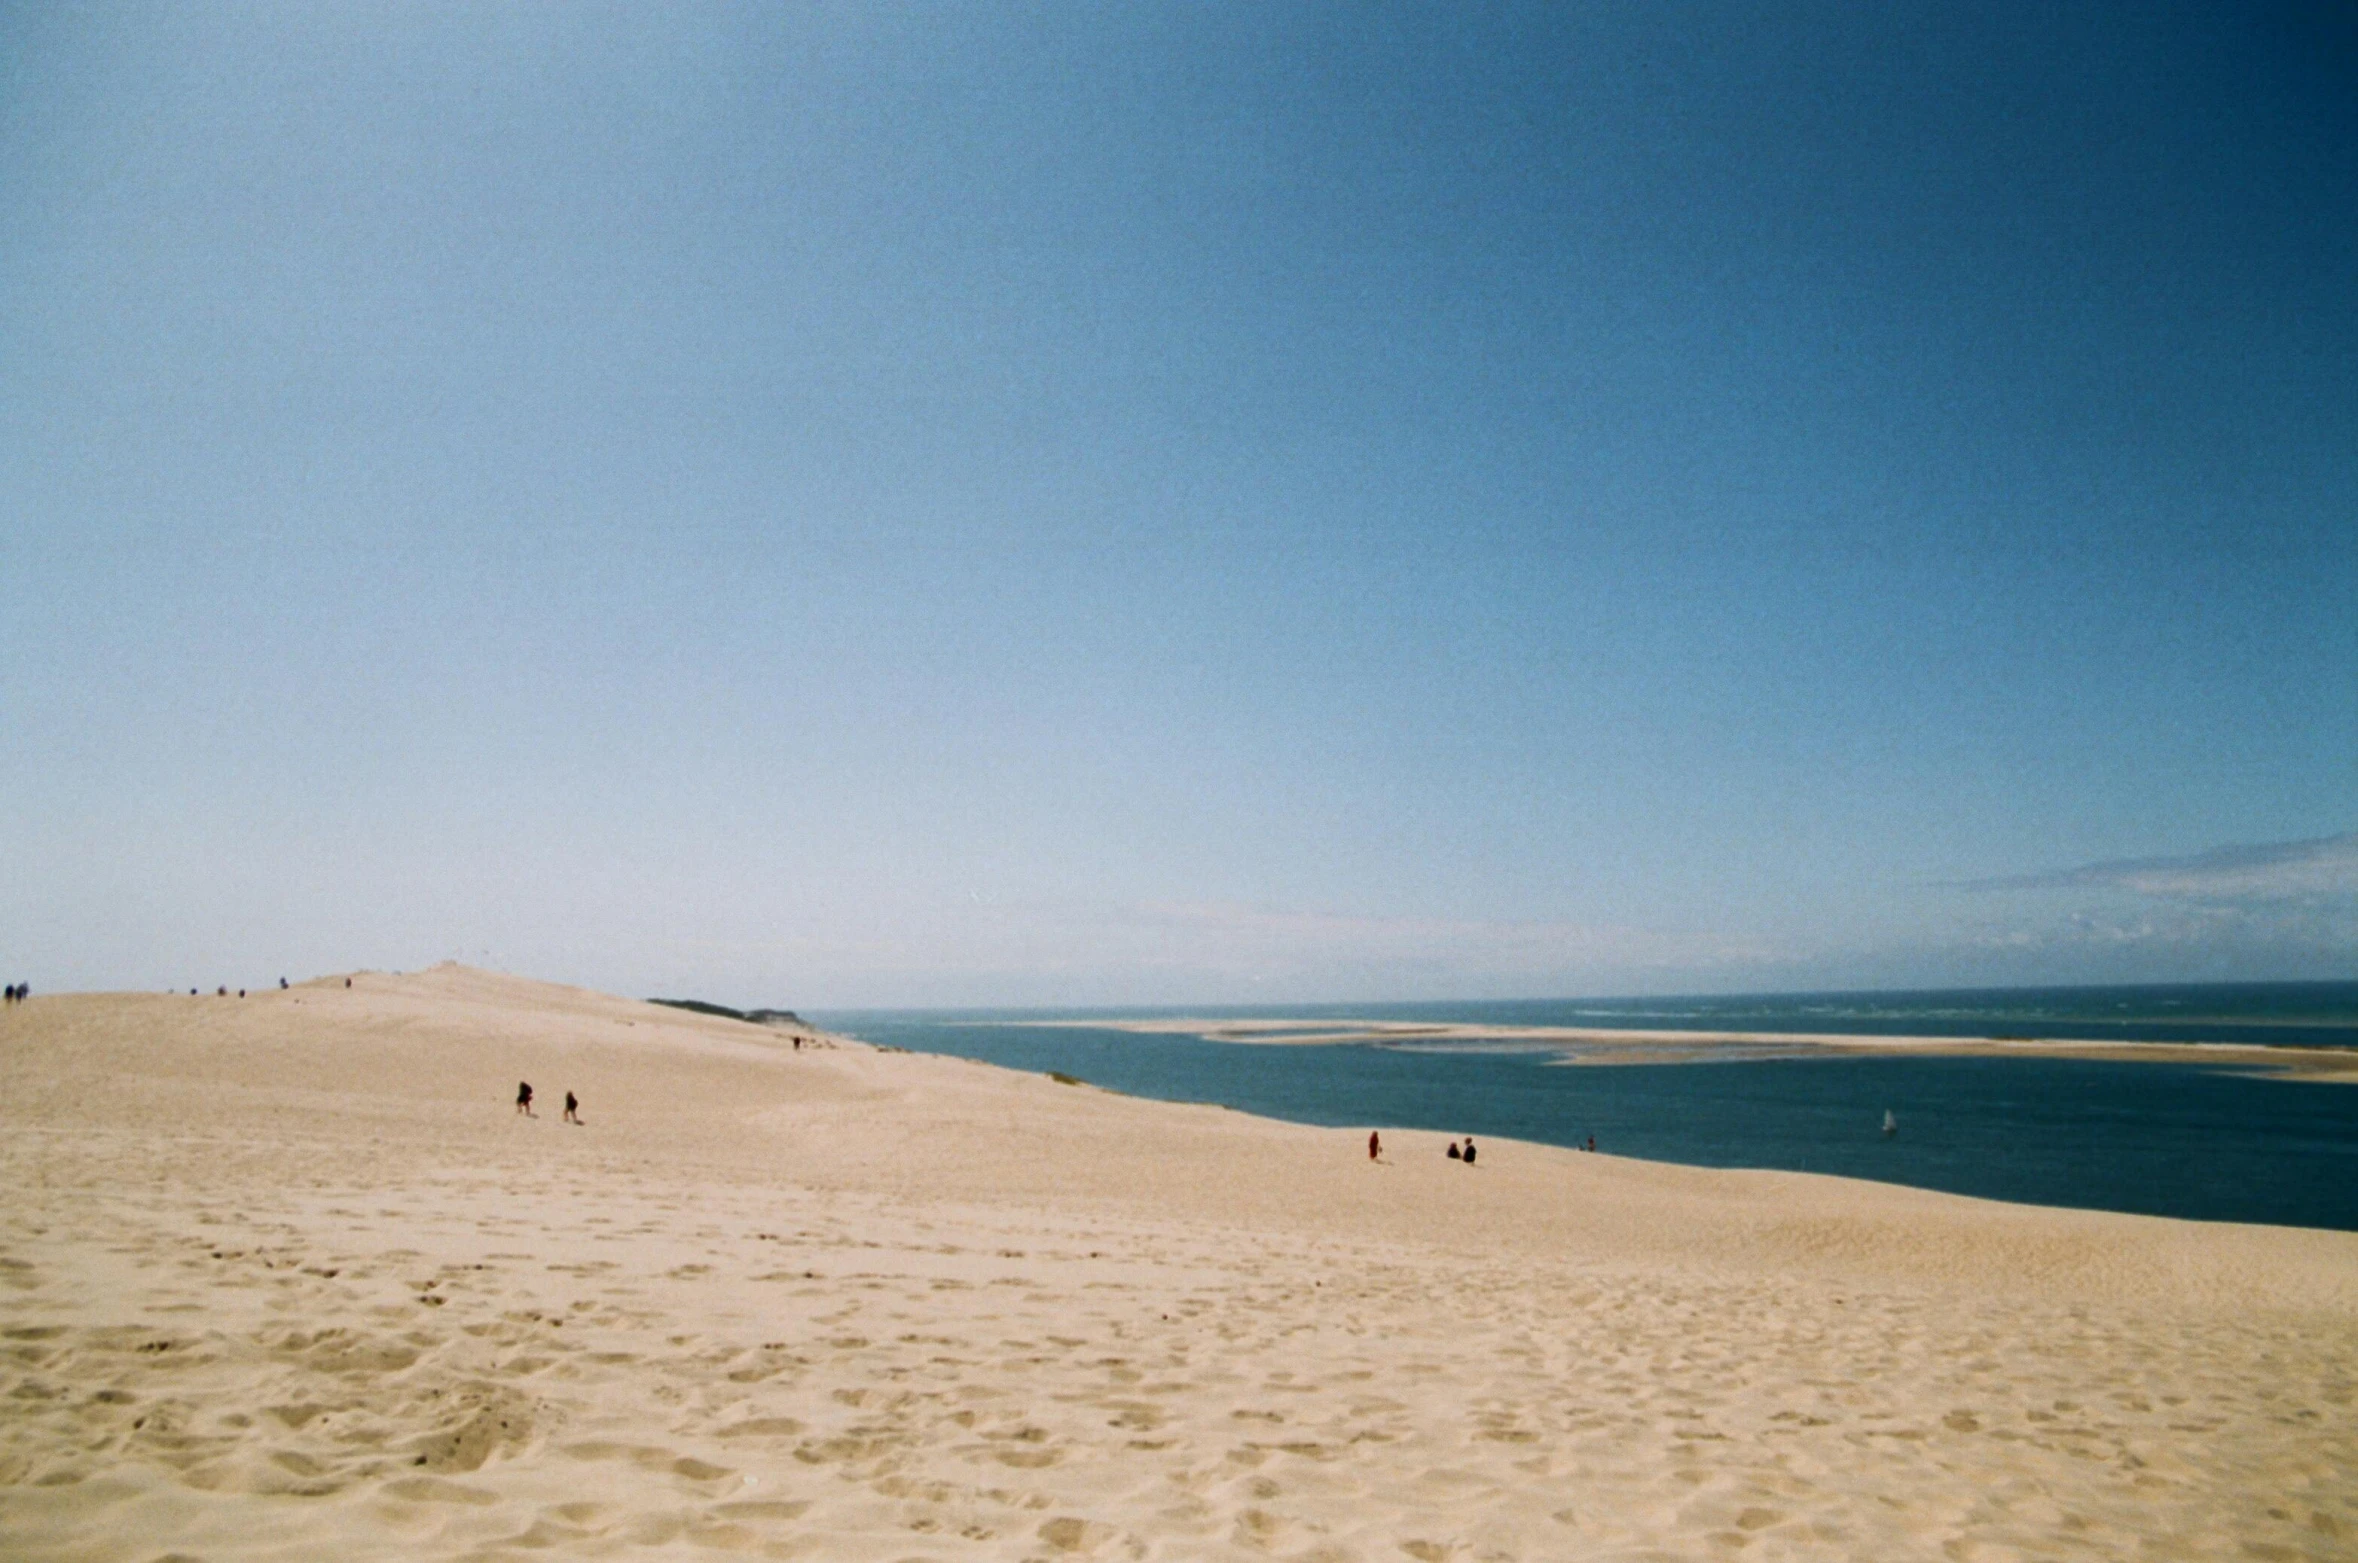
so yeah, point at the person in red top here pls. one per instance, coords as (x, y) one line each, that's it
(1375, 1146)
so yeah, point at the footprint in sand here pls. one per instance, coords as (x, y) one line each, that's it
(1070, 1534)
(483, 1420)
(433, 1489)
(760, 1427)
(771, 1510)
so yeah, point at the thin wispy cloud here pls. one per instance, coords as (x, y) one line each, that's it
(2322, 866)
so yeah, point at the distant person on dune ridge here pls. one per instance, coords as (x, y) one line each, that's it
(1375, 1146)
(572, 1108)
(1469, 1150)
(524, 1098)
(1454, 1153)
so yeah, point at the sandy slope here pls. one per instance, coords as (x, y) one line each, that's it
(284, 1277)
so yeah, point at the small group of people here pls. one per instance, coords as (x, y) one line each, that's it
(223, 990)
(1375, 1148)
(18, 992)
(524, 1103)
(1457, 1151)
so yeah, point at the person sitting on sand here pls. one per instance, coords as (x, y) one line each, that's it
(1454, 1152)
(524, 1098)
(572, 1107)
(1469, 1150)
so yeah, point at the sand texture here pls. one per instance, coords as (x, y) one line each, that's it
(286, 1278)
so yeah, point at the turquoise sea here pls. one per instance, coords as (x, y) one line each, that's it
(2158, 1139)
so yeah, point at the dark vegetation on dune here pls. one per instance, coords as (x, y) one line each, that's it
(759, 1017)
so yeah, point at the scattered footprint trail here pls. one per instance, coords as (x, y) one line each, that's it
(211, 1372)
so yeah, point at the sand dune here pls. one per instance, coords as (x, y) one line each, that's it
(285, 1277)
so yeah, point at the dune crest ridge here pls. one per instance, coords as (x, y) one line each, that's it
(288, 1276)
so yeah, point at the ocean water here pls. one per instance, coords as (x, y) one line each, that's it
(2156, 1139)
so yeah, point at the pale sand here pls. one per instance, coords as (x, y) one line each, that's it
(285, 1278)
(1598, 1045)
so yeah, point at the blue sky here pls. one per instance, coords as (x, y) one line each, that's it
(870, 506)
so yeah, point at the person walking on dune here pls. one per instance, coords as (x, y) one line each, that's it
(1375, 1146)
(524, 1098)
(572, 1108)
